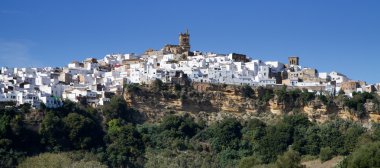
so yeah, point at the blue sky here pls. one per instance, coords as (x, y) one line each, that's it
(341, 35)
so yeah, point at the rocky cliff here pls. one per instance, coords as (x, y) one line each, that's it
(215, 102)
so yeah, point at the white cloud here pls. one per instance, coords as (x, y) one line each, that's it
(17, 54)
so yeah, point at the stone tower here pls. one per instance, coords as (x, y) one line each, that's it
(184, 41)
(294, 60)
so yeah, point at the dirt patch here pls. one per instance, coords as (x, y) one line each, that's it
(328, 164)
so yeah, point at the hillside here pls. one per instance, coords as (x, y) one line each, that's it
(216, 102)
(199, 125)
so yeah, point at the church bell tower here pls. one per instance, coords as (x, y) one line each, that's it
(184, 41)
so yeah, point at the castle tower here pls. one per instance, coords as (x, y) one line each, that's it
(184, 41)
(294, 60)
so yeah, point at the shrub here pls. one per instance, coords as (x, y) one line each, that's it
(281, 94)
(57, 160)
(324, 99)
(264, 94)
(325, 154)
(157, 85)
(226, 134)
(247, 91)
(366, 156)
(276, 141)
(248, 162)
(290, 159)
(133, 87)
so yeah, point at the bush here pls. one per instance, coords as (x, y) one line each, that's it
(325, 154)
(376, 132)
(167, 158)
(324, 99)
(351, 136)
(177, 87)
(184, 125)
(265, 94)
(254, 129)
(58, 160)
(10, 158)
(281, 94)
(276, 141)
(118, 108)
(313, 141)
(332, 137)
(290, 159)
(133, 87)
(306, 96)
(157, 85)
(248, 162)
(247, 91)
(228, 157)
(226, 134)
(125, 147)
(83, 132)
(366, 156)
(357, 102)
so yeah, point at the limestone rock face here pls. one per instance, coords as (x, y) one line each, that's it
(371, 107)
(373, 110)
(316, 110)
(214, 104)
(276, 107)
(211, 105)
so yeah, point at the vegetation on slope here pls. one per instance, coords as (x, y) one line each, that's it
(114, 136)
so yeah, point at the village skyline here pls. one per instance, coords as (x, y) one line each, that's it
(92, 80)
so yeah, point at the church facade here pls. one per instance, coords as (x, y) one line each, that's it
(182, 48)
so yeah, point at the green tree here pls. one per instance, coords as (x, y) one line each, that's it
(184, 124)
(253, 130)
(299, 125)
(264, 94)
(276, 141)
(324, 99)
(366, 156)
(157, 85)
(332, 137)
(228, 157)
(16, 140)
(53, 133)
(173, 132)
(118, 108)
(247, 91)
(351, 137)
(133, 87)
(83, 132)
(376, 132)
(125, 147)
(226, 134)
(9, 157)
(281, 94)
(357, 102)
(313, 141)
